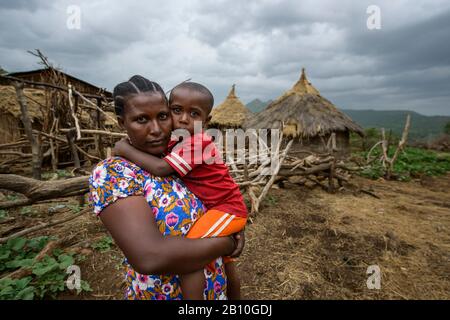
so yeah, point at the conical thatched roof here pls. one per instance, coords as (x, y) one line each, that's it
(304, 113)
(231, 113)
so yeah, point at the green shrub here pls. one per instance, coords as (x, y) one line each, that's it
(47, 277)
(412, 162)
(104, 244)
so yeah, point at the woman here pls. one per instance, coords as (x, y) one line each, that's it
(139, 210)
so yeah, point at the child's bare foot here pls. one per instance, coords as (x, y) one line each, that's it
(233, 281)
(193, 285)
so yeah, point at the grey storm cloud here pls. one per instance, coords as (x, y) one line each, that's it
(259, 45)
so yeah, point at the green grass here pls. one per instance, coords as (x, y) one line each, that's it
(411, 163)
(104, 244)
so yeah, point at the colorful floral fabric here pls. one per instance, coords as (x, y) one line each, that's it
(175, 209)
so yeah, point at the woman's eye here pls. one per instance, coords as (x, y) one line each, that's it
(163, 116)
(141, 120)
(176, 110)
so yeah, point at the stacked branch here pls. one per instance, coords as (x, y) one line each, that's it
(278, 165)
(65, 135)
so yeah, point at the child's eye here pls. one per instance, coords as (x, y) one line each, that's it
(176, 110)
(163, 116)
(194, 114)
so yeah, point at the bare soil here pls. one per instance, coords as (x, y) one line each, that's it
(307, 244)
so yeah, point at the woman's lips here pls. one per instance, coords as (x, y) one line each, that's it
(156, 143)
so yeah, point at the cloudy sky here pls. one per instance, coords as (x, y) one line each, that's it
(259, 45)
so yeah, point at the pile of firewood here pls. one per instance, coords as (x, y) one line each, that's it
(256, 179)
(63, 131)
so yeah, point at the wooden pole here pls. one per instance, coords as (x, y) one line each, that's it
(35, 146)
(73, 149)
(98, 138)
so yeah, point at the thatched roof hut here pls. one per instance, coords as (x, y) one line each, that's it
(231, 113)
(45, 75)
(306, 116)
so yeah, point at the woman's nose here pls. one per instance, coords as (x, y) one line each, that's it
(154, 128)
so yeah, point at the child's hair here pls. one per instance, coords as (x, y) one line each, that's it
(137, 84)
(194, 86)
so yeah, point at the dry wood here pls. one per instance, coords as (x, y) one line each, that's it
(72, 112)
(73, 149)
(35, 147)
(324, 187)
(274, 174)
(96, 107)
(52, 147)
(16, 153)
(100, 132)
(9, 79)
(14, 144)
(388, 163)
(401, 143)
(370, 193)
(36, 190)
(46, 225)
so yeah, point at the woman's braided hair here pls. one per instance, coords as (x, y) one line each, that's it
(137, 84)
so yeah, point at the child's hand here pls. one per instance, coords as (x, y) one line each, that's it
(240, 239)
(121, 147)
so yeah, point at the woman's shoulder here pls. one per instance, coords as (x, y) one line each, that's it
(113, 169)
(121, 168)
(114, 178)
(115, 163)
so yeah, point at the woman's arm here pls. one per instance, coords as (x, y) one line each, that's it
(148, 251)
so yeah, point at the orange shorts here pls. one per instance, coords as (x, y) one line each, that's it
(216, 223)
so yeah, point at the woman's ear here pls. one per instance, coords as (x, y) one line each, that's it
(120, 122)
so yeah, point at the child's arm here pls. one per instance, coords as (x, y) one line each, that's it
(150, 163)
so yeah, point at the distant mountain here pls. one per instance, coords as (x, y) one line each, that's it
(421, 126)
(257, 105)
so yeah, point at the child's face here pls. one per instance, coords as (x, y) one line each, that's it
(187, 106)
(146, 118)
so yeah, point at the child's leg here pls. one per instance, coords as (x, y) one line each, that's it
(213, 223)
(192, 285)
(233, 281)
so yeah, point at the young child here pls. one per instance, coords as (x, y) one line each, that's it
(210, 182)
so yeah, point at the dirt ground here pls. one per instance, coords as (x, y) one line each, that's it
(308, 244)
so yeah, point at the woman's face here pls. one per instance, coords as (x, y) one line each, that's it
(147, 120)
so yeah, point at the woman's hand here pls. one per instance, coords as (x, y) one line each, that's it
(239, 239)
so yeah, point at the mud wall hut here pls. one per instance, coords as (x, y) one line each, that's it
(47, 103)
(38, 100)
(11, 127)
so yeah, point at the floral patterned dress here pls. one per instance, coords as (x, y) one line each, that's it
(174, 208)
